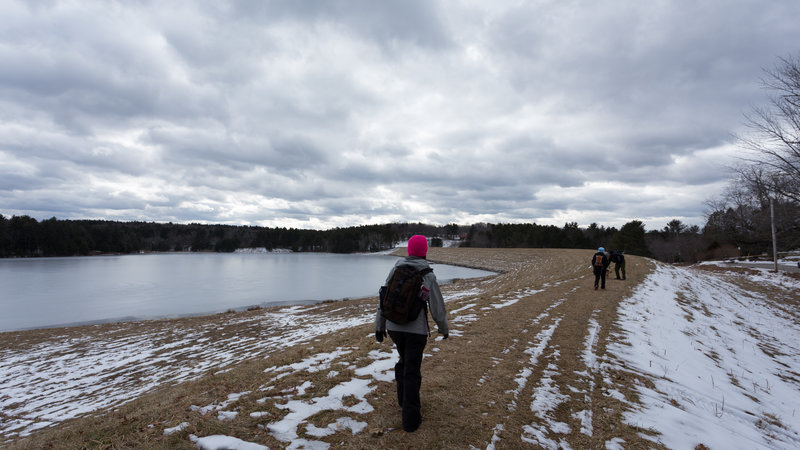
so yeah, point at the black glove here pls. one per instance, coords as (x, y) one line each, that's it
(379, 335)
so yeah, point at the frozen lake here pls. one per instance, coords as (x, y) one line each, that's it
(45, 292)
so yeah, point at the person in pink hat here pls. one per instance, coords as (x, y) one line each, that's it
(411, 337)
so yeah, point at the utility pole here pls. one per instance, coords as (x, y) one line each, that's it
(774, 241)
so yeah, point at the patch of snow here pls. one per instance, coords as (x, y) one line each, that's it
(219, 442)
(223, 416)
(465, 318)
(589, 356)
(341, 423)
(585, 417)
(463, 308)
(285, 430)
(505, 303)
(456, 295)
(495, 437)
(382, 367)
(216, 406)
(176, 429)
(615, 444)
(538, 436)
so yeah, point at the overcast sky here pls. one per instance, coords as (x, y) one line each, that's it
(321, 114)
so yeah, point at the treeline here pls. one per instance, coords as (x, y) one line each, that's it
(23, 236)
(742, 217)
(722, 236)
(531, 235)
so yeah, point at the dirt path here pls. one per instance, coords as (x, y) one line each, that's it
(529, 372)
(525, 365)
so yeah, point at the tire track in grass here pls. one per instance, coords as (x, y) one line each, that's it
(534, 309)
(540, 426)
(489, 357)
(519, 359)
(590, 359)
(566, 377)
(530, 360)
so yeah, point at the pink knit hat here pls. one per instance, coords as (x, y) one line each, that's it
(418, 246)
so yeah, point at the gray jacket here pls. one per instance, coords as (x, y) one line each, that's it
(436, 304)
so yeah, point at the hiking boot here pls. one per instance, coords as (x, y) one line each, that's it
(412, 428)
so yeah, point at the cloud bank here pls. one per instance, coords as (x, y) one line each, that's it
(337, 113)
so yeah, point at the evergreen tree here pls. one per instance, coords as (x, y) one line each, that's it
(630, 239)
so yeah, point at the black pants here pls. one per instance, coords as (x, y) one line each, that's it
(408, 376)
(600, 276)
(617, 266)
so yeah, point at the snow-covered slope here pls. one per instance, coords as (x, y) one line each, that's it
(725, 361)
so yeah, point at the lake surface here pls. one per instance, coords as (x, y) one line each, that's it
(45, 292)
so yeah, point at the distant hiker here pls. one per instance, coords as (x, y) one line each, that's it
(410, 337)
(599, 266)
(619, 262)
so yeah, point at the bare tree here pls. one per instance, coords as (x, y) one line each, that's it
(741, 214)
(776, 133)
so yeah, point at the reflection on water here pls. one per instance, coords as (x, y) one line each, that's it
(41, 292)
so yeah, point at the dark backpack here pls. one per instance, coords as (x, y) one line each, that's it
(400, 300)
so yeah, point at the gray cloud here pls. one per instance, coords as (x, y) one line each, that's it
(389, 23)
(336, 113)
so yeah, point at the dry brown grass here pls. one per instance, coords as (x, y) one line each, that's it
(468, 382)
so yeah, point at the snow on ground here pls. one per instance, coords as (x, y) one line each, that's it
(286, 429)
(724, 361)
(787, 264)
(66, 378)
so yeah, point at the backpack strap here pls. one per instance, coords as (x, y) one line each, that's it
(422, 273)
